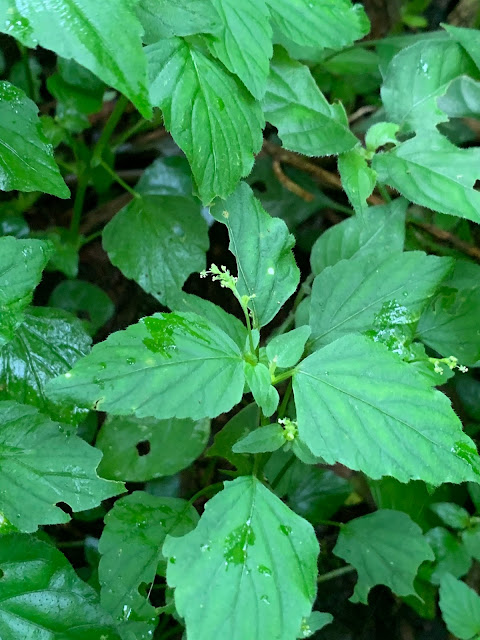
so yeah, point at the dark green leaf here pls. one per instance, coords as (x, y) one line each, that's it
(43, 463)
(137, 450)
(81, 296)
(385, 547)
(255, 556)
(167, 177)
(451, 556)
(359, 404)
(316, 494)
(451, 514)
(460, 607)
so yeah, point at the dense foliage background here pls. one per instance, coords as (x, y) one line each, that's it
(264, 215)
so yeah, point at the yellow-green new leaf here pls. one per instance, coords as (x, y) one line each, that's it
(358, 179)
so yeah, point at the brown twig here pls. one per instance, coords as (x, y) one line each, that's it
(290, 184)
(101, 215)
(445, 236)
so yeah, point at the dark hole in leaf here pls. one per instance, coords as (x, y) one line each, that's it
(259, 185)
(65, 508)
(477, 185)
(143, 447)
(84, 315)
(2, 573)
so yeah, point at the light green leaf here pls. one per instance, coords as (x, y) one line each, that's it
(164, 19)
(82, 296)
(451, 514)
(462, 99)
(111, 49)
(236, 428)
(306, 122)
(26, 158)
(361, 294)
(451, 556)
(287, 349)
(258, 379)
(315, 622)
(47, 344)
(158, 241)
(360, 405)
(460, 606)
(41, 464)
(244, 44)
(131, 549)
(165, 366)
(211, 116)
(268, 438)
(379, 227)
(252, 554)
(358, 180)
(385, 547)
(449, 324)
(468, 38)
(42, 596)
(380, 134)
(319, 23)
(432, 172)
(140, 449)
(21, 266)
(262, 246)
(416, 77)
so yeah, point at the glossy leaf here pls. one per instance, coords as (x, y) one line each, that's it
(460, 606)
(417, 77)
(244, 43)
(432, 172)
(358, 180)
(131, 549)
(262, 246)
(43, 597)
(268, 438)
(130, 373)
(21, 266)
(306, 122)
(111, 49)
(140, 449)
(286, 349)
(331, 23)
(158, 241)
(43, 464)
(211, 116)
(383, 417)
(253, 554)
(380, 226)
(47, 344)
(26, 158)
(385, 547)
(164, 19)
(361, 294)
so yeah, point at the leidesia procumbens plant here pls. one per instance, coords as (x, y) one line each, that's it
(320, 396)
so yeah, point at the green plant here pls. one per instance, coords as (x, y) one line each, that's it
(322, 404)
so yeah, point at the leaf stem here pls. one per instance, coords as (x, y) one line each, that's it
(83, 180)
(108, 129)
(283, 376)
(204, 491)
(336, 573)
(330, 523)
(286, 397)
(302, 292)
(276, 481)
(383, 192)
(119, 180)
(28, 71)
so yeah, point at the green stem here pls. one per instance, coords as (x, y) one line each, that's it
(131, 131)
(92, 237)
(286, 397)
(289, 320)
(205, 490)
(330, 523)
(283, 376)
(83, 180)
(108, 129)
(383, 192)
(28, 71)
(118, 179)
(336, 573)
(276, 481)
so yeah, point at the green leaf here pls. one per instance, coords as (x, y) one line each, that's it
(42, 464)
(258, 559)
(462, 99)
(137, 450)
(258, 379)
(449, 324)
(315, 622)
(381, 134)
(360, 294)
(471, 541)
(131, 549)
(212, 118)
(451, 514)
(321, 23)
(451, 556)
(244, 43)
(164, 19)
(131, 372)
(287, 349)
(77, 296)
(306, 122)
(385, 547)
(380, 415)
(65, 248)
(158, 241)
(262, 246)
(111, 49)
(379, 227)
(236, 428)
(468, 38)
(460, 606)
(47, 344)
(358, 180)
(432, 172)
(268, 438)
(21, 266)
(169, 176)
(416, 77)
(26, 158)
(43, 597)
